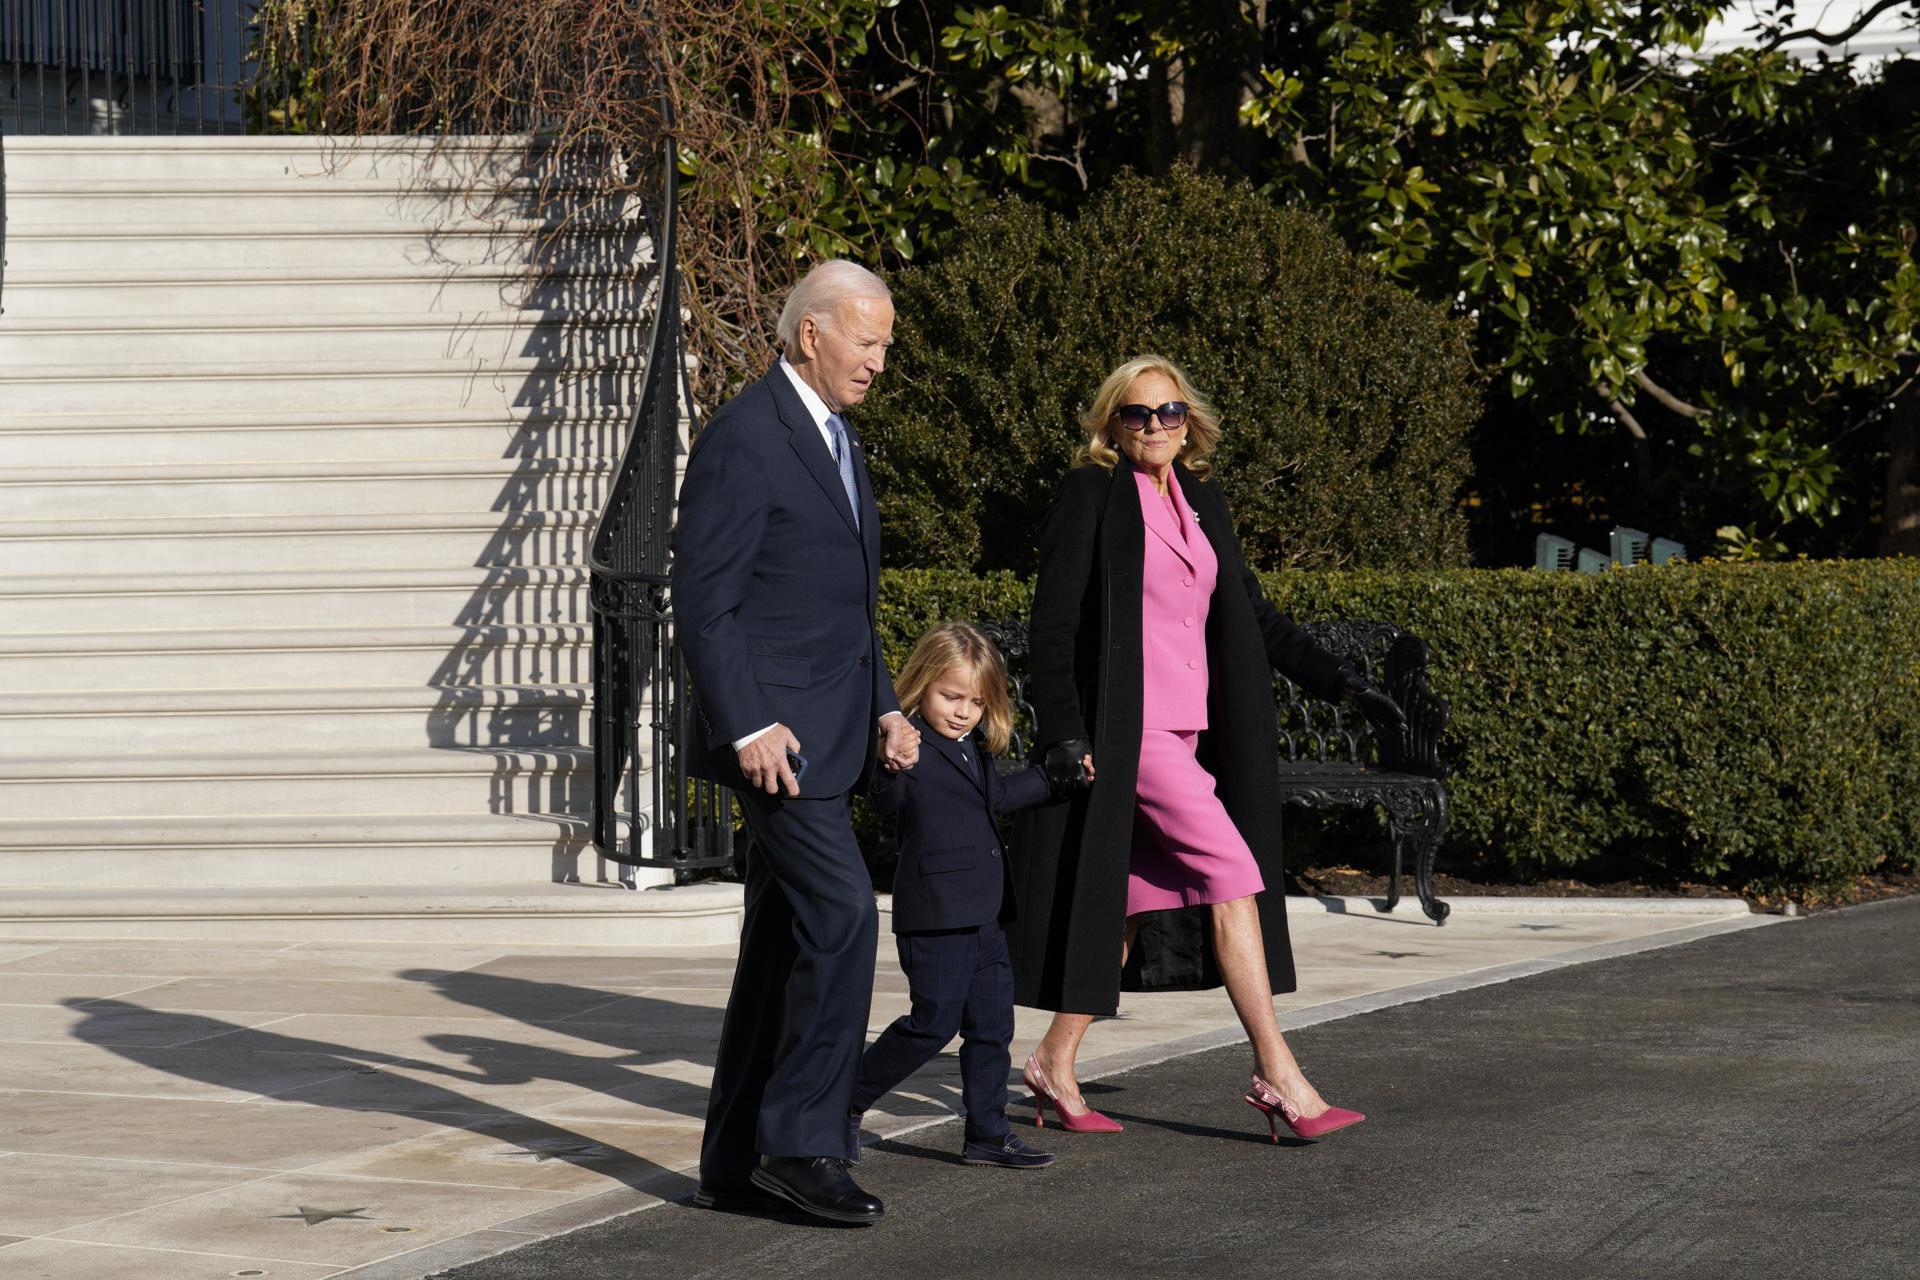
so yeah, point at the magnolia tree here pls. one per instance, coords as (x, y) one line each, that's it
(1691, 278)
(1709, 256)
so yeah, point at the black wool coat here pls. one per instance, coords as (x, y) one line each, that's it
(1070, 862)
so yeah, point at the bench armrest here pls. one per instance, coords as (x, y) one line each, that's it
(1426, 711)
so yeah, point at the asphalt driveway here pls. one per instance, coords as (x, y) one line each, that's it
(1747, 1105)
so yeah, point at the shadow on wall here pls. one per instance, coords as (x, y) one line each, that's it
(516, 683)
(572, 268)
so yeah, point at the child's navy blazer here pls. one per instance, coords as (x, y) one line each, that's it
(953, 866)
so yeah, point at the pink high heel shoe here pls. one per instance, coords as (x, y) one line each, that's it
(1088, 1121)
(1265, 1099)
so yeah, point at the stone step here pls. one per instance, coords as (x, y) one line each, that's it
(302, 489)
(553, 338)
(621, 246)
(512, 911)
(400, 162)
(136, 438)
(272, 658)
(309, 289)
(321, 597)
(366, 385)
(290, 849)
(42, 202)
(377, 718)
(556, 782)
(288, 544)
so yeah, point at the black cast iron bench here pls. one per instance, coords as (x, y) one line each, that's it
(1329, 755)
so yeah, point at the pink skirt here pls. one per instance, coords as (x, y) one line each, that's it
(1186, 850)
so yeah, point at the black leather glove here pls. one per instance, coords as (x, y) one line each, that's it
(1381, 711)
(1065, 773)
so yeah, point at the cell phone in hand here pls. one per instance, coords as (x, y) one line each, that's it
(796, 764)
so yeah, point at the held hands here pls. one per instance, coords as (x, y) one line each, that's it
(1069, 766)
(763, 762)
(899, 743)
(1381, 711)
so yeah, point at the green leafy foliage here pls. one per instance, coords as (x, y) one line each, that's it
(1345, 400)
(1692, 278)
(1711, 255)
(1755, 724)
(1705, 262)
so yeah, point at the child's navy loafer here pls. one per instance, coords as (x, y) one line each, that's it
(1008, 1153)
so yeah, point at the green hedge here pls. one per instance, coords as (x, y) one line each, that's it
(1754, 724)
(1346, 401)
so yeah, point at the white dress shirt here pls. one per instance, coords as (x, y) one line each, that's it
(816, 407)
(818, 411)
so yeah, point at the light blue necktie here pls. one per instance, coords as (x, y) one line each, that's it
(843, 455)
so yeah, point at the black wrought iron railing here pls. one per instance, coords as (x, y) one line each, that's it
(124, 66)
(647, 811)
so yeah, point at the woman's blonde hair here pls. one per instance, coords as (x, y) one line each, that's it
(1203, 424)
(955, 644)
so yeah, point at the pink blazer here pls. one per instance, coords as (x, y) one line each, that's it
(1176, 586)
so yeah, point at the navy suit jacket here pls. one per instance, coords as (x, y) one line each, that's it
(775, 591)
(953, 866)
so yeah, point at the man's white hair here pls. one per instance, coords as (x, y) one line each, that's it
(820, 293)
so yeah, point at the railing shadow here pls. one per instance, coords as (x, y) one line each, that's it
(633, 1025)
(553, 356)
(226, 1055)
(503, 687)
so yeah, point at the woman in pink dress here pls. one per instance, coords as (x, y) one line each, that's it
(1153, 650)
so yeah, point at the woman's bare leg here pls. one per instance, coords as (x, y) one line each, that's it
(1055, 1054)
(1243, 962)
(1059, 1049)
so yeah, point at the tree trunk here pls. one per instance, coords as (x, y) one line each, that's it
(1900, 519)
(1196, 94)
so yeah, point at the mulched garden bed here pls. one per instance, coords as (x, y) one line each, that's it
(1482, 879)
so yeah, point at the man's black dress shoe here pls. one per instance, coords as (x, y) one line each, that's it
(738, 1197)
(818, 1184)
(853, 1135)
(1008, 1153)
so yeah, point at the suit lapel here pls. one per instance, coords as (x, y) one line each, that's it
(1165, 523)
(949, 750)
(807, 443)
(1222, 555)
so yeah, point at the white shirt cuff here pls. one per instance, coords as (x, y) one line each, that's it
(741, 742)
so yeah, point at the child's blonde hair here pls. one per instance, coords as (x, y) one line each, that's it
(955, 644)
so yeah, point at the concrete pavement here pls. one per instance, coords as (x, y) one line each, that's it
(185, 1109)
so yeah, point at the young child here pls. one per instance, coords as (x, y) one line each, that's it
(952, 890)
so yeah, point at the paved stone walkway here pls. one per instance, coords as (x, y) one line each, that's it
(188, 1110)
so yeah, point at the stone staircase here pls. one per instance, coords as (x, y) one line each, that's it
(301, 445)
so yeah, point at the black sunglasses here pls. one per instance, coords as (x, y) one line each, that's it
(1172, 415)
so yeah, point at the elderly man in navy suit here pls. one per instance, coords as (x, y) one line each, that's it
(775, 586)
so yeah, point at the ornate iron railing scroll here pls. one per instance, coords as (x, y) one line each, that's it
(647, 811)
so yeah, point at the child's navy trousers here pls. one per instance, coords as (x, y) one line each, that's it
(962, 984)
